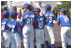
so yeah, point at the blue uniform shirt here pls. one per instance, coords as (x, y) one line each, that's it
(64, 20)
(4, 23)
(28, 18)
(14, 26)
(49, 17)
(40, 22)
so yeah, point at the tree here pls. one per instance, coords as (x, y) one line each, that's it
(66, 5)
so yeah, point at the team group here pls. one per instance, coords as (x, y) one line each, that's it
(31, 25)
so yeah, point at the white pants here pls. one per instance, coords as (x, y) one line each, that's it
(15, 40)
(6, 37)
(28, 34)
(49, 31)
(39, 37)
(65, 36)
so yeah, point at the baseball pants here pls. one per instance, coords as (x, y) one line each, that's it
(6, 38)
(39, 37)
(65, 36)
(15, 40)
(49, 31)
(28, 36)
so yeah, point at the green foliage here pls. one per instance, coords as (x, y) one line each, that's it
(66, 4)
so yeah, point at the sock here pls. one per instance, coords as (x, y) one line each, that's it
(47, 44)
(42, 45)
(52, 45)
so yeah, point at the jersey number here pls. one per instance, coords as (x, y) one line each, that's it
(29, 21)
(66, 19)
(40, 24)
(50, 19)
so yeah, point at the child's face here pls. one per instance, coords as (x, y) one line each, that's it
(36, 13)
(25, 9)
(60, 13)
(46, 9)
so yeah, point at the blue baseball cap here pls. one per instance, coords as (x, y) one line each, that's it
(5, 13)
(37, 9)
(13, 14)
(63, 10)
(48, 6)
(26, 5)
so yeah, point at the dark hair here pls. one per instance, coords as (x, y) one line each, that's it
(5, 8)
(65, 13)
(48, 9)
(13, 17)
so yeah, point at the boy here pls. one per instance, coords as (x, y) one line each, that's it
(28, 30)
(65, 27)
(39, 32)
(4, 29)
(15, 29)
(49, 18)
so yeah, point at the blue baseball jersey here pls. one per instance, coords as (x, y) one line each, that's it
(40, 22)
(14, 26)
(28, 17)
(64, 20)
(4, 23)
(49, 17)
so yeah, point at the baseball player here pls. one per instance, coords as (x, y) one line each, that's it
(4, 30)
(28, 30)
(49, 17)
(15, 29)
(39, 20)
(65, 27)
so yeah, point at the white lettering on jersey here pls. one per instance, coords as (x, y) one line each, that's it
(3, 25)
(50, 17)
(65, 18)
(40, 22)
(26, 16)
(32, 16)
(12, 26)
